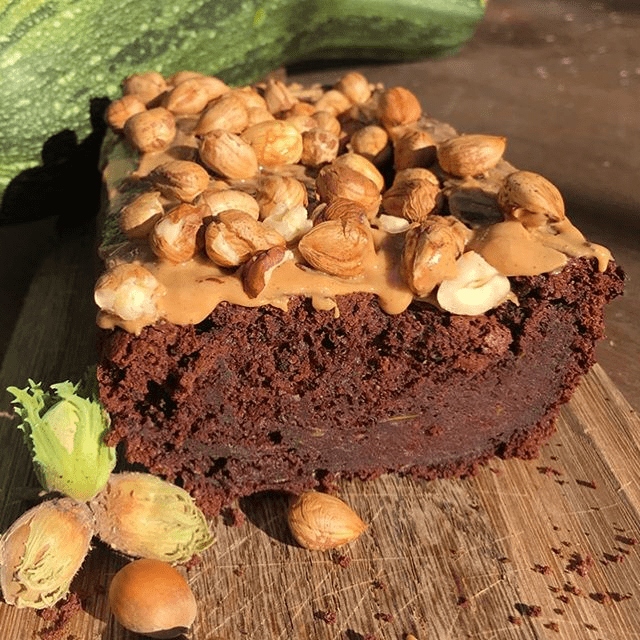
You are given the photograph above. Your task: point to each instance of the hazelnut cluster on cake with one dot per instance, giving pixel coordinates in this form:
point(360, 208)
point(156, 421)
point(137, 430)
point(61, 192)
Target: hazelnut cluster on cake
point(303, 283)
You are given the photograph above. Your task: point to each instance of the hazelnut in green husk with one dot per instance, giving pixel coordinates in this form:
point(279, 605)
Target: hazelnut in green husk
point(65, 434)
point(42, 551)
point(144, 516)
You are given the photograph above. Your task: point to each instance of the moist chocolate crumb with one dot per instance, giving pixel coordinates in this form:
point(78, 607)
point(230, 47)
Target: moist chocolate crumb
point(553, 626)
point(341, 560)
point(563, 598)
point(59, 617)
point(462, 601)
point(370, 636)
point(530, 610)
point(329, 617)
point(232, 517)
point(573, 590)
point(618, 597)
point(517, 620)
point(379, 584)
point(385, 617)
point(614, 557)
point(580, 564)
point(544, 569)
point(602, 598)
point(626, 540)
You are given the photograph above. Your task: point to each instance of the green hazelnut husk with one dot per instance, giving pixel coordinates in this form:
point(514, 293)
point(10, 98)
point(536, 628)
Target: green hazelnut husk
point(64, 429)
point(42, 551)
point(144, 516)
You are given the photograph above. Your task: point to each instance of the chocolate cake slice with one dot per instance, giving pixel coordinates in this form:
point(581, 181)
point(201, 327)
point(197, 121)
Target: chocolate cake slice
point(345, 287)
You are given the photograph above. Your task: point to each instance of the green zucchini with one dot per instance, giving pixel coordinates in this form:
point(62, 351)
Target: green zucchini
point(56, 55)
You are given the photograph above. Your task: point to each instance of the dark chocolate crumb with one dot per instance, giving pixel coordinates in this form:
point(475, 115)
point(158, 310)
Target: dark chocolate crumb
point(553, 626)
point(558, 611)
point(341, 560)
point(462, 601)
point(504, 559)
point(232, 517)
point(544, 569)
point(618, 597)
point(602, 598)
point(579, 564)
point(591, 627)
point(329, 617)
point(379, 584)
point(515, 620)
point(626, 540)
point(590, 484)
point(530, 610)
point(385, 617)
point(239, 571)
point(563, 598)
point(59, 617)
point(572, 589)
point(611, 557)
point(557, 551)
point(370, 636)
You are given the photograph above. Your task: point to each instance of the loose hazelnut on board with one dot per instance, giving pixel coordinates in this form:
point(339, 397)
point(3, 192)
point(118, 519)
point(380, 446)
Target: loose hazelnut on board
point(475, 289)
point(275, 142)
point(120, 110)
point(470, 154)
point(319, 521)
point(152, 598)
point(146, 86)
point(531, 199)
point(129, 292)
point(337, 247)
point(430, 253)
point(152, 130)
point(398, 106)
point(175, 236)
point(229, 155)
point(138, 216)
point(180, 179)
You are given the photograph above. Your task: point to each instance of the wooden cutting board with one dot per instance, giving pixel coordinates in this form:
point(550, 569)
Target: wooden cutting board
point(547, 548)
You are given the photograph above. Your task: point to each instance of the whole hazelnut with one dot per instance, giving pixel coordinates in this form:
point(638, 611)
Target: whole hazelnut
point(152, 598)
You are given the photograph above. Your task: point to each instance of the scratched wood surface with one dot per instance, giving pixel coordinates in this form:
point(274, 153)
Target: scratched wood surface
point(537, 549)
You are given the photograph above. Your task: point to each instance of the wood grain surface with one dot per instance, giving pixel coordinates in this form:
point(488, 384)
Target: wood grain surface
point(537, 549)
point(525, 550)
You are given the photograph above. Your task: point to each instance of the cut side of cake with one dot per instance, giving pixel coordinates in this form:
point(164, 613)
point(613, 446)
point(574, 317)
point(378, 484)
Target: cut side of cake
point(340, 287)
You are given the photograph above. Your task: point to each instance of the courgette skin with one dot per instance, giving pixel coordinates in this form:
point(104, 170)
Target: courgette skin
point(55, 55)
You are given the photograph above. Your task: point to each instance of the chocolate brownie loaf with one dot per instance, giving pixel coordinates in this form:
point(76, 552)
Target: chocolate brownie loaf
point(341, 286)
